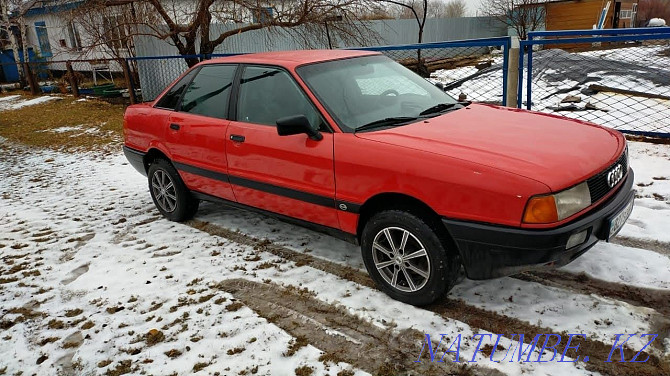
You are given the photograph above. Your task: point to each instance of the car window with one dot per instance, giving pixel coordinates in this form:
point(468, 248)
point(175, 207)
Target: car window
point(268, 94)
point(368, 89)
point(171, 98)
point(386, 81)
point(209, 91)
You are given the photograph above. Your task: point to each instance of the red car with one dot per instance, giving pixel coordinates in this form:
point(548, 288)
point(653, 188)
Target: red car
point(353, 144)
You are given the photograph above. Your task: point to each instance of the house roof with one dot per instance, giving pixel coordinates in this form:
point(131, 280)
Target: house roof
point(36, 7)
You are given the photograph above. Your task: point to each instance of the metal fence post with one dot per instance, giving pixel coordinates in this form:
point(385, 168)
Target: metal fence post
point(129, 80)
point(512, 87)
point(74, 85)
point(522, 52)
point(32, 81)
point(529, 75)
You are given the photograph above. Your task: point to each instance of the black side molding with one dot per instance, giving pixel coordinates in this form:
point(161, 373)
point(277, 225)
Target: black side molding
point(295, 194)
point(336, 233)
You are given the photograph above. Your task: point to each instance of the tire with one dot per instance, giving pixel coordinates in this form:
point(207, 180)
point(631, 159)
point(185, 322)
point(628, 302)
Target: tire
point(170, 195)
point(432, 273)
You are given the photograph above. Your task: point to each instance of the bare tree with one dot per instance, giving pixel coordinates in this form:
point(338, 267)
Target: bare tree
point(110, 26)
point(199, 26)
point(7, 27)
point(450, 9)
point(522, 15)
point(417, 9)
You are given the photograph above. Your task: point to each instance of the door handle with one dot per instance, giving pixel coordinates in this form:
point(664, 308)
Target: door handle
point(237, 138)
point(174, 126)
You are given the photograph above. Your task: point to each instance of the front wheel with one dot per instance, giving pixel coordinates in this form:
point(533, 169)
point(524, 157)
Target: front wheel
point(406, 258)
point(169, 193)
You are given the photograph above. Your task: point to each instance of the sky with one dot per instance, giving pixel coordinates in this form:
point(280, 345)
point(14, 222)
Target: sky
point(473, 6)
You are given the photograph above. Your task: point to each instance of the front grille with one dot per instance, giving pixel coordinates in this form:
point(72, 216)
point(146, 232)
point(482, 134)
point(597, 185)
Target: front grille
point(598, 184)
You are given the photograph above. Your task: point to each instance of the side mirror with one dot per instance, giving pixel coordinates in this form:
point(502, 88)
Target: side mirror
point(297, 124)
point(439, 85)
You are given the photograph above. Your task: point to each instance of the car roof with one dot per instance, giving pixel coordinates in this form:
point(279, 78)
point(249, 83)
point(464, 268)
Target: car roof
point(291, 59)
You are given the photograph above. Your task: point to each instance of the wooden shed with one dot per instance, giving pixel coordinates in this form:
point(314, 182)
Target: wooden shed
point(583, 14)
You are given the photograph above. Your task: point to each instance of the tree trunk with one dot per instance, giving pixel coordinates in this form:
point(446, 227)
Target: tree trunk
point(4, 8)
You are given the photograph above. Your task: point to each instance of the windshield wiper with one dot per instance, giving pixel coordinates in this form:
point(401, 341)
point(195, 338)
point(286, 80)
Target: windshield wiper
point(389, 121)
point(438, 108)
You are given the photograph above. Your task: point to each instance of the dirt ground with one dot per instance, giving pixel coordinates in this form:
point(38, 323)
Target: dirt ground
point(94, 281)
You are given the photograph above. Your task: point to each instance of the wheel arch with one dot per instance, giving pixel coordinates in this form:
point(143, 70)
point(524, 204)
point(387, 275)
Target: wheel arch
point(401, 201)
point(153, 154)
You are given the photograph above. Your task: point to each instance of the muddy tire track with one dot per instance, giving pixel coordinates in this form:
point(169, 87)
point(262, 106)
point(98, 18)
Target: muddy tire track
point(650, 245)
point(582, 283)
point(456, 309)
point(340, 335)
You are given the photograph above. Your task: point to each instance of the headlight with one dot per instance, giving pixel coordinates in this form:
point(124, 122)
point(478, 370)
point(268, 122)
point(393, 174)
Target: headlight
point(557, 207)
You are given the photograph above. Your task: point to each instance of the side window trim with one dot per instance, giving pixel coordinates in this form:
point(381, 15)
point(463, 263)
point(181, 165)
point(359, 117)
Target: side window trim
point(181, 97)
point(235, 92)
point(195, 73)
point(238, 81)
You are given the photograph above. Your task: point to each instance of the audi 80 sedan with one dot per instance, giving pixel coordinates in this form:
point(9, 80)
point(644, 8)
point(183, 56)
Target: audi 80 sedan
point(355, 145)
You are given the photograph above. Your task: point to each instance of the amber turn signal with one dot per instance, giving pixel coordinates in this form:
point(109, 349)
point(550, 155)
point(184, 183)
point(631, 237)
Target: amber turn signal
point(541, 209)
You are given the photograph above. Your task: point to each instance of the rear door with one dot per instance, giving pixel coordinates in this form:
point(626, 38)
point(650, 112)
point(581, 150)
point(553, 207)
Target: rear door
point(196, 131)
point(289, 175)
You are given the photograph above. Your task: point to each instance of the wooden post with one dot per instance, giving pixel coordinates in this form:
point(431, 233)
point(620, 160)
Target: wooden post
point(129, 81)
point(513, 73)
point(74, 85)
point(32, 81)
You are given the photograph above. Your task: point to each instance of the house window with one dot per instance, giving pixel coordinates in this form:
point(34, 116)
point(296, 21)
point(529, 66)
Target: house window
point(75, 38)
point(116, 32)
point(43, 39)
point(625, 14)
point(263, 15)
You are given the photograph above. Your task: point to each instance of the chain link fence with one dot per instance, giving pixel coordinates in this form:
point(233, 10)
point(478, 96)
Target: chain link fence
point(473, 70)
point(152, 74)
point(105, 78)
point(619, 78)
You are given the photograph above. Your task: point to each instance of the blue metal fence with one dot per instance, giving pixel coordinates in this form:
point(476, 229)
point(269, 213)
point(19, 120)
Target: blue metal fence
point(476, 68)
point(618, 78)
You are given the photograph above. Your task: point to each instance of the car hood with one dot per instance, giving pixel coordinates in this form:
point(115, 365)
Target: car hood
point(556, 151)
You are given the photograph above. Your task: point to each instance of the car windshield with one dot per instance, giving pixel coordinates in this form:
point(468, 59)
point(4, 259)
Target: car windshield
point(371, 91)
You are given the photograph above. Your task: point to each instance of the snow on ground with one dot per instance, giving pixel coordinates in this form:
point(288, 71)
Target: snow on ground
point(14, 102)
point(650, 219)
point(85, 234)
point(79, 130)
point(623, 266)
point(94, 281)
point(95, 255)
point(638, 68)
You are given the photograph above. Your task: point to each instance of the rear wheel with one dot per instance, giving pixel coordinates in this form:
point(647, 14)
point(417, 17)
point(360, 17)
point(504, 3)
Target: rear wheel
point(407, 258)
point(169, 193)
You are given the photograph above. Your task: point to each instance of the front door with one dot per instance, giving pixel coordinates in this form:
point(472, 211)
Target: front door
point(196, 132)
point(289, 175)
point(617, 15)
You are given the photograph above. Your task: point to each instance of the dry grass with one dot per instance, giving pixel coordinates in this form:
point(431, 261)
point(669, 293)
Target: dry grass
point(30, 125)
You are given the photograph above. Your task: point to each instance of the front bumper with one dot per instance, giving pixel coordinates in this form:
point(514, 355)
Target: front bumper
point(489, 251)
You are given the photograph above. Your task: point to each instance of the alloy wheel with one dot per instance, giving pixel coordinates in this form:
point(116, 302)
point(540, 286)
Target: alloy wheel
point(401, 259)
point(164, 191)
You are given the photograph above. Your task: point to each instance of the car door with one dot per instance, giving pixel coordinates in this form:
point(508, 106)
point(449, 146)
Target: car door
point(289, 175)
point(196, 131)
